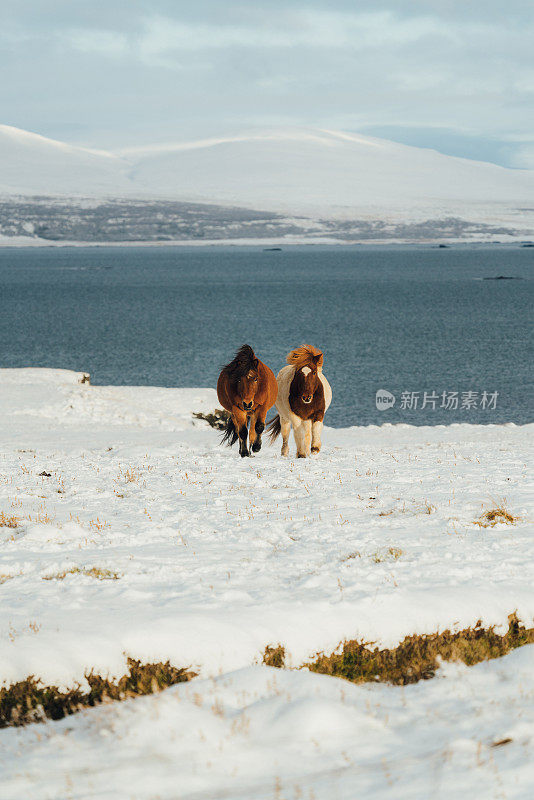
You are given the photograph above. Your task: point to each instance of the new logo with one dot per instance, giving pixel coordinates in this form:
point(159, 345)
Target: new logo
point(384, 400)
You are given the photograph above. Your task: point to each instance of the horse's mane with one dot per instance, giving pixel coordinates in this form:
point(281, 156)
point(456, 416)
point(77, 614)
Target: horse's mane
point(305, 356)
point(243, 361)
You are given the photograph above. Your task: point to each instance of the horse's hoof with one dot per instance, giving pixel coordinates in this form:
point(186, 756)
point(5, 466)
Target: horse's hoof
point(315, 450)
point(256, 447)
point(244, 453)
point(301, 455)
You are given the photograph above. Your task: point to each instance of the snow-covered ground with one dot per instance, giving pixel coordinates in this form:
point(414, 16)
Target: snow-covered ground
point(216, 557)
point(266, 734)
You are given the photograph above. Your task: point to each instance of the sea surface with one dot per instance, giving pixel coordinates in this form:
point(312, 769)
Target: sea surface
point(404, 319)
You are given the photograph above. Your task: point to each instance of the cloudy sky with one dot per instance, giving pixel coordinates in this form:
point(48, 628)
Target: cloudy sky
point(457, 76)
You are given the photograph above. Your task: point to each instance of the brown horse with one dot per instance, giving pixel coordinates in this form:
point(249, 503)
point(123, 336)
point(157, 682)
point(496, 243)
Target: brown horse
point(247, 389)
point(304, 395)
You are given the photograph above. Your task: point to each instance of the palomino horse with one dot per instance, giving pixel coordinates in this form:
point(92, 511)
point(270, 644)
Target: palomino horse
point(247, 389)
point(304, 395)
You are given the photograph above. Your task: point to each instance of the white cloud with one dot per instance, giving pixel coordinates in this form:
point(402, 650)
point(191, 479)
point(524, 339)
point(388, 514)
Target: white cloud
point(99, 42)
point(214, 67)
point(302, 29)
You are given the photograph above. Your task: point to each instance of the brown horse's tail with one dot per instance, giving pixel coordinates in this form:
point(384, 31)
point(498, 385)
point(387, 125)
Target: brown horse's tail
point(273, 428)
point(229, 436)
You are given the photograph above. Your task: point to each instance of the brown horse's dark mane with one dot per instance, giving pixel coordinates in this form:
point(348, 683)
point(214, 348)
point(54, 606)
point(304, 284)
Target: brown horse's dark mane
point(243, 361)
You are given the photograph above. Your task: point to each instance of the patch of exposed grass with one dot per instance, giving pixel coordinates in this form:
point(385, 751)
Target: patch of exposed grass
point(98, 525)
point(387, 554)
point(129, 475)
point(42, 518)
point(496, 516)
point(350, 556)
point(274, 656)
point(92, 572)
point(417, 657)
point(8, 520)
point(30, 701)
point(425, 507)
point(217, 419)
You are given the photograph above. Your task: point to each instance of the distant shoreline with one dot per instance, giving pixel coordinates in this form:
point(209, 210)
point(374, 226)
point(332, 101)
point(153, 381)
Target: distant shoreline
point(21, 242)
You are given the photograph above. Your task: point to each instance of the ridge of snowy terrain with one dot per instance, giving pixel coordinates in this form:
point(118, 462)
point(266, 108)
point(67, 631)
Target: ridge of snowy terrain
point(31, 164)
point(325, 173)
point(271, 734)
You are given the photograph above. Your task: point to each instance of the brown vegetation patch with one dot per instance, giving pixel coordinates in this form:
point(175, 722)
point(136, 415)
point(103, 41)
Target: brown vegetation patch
point(274, 656)
point(30, 701)
point(417, 657)
point(92, 572)
point(496, 516)
point(8, 521)
point(387, 554)
point(217, 420)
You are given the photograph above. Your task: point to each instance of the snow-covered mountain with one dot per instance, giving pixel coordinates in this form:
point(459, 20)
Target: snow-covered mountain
point(31, 164)
point(310, 172)
point(327, 172)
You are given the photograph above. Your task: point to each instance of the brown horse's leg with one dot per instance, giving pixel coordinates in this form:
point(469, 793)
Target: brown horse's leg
point(257, 426)
point(240, 421)
point(252, 432)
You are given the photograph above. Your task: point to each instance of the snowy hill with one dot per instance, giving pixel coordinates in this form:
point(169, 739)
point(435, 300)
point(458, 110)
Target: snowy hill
point(326, 172)
point(31, 164)
point(309, 172)
point(205, 558)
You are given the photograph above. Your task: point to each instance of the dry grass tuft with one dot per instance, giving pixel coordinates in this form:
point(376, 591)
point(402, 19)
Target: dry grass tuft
point(350, 556)
point(92, 572)
point(217, 420)
point(98, 525)
point(496, 516)
point(427, 508)
point(417, 657)
point(130, 475)
point(387, 554)
point(42, 517)
point(275, 656)
point(8, 521)
point(30, 701)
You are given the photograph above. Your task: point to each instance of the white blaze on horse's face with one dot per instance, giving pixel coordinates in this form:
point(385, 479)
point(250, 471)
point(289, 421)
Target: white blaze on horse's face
point(310, 384)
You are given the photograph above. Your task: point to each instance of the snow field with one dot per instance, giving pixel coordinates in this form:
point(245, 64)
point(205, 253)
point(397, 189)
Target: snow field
point(219, 556)
point(147, 539)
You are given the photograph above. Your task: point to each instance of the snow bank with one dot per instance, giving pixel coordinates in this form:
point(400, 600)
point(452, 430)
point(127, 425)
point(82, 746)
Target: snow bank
point(262, 733)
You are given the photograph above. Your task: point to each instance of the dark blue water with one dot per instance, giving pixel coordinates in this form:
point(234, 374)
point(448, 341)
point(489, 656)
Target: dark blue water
point(404, 319)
